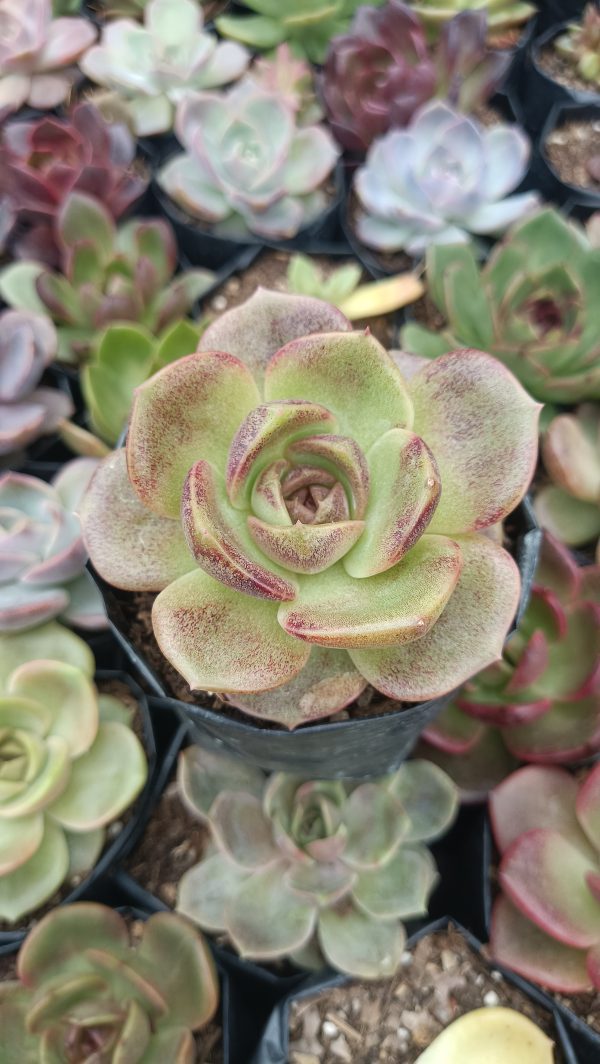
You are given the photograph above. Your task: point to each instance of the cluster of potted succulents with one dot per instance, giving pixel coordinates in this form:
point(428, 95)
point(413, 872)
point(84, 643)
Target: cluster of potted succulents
point(299, 522)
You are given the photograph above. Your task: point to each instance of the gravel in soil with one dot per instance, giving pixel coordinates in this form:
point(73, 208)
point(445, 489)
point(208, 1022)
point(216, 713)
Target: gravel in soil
point(557, 66)
point(441, 979)
point(571, 148)
point(118, 690)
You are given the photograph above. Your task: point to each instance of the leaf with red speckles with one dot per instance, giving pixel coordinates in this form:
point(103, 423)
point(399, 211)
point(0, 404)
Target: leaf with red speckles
point(189, 410)
point(342, 455)
point(221, 640)
point(481, 426)
point(306, 548)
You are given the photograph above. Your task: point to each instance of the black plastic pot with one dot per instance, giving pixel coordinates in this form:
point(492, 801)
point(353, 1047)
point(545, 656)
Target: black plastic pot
point(585, 1040)
point(204, 248)
point(553, 11)
point(138, 813)
point(353, 748)
point(583, 201)
point(274, 1044)
point(539, 92)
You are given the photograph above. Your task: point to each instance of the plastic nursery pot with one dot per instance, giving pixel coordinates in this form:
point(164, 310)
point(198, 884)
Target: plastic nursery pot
point(203, 248)
point(585, 1039)
point(135, 816)
point(547, 178)
point(540, 91)
point(354, 749)
point(553, 11)
point(274, 1045)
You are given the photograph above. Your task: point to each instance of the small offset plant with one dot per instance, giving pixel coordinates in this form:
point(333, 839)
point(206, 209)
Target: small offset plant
point(342, 288)
point(581, 45)
point(313, 518)
point(90, 988)
point(247, 168)
point(42, 555)
point(37, 54)
point(570, 506)
point(45, 160)
point(154, 66)
point(506, 18)
point(292, 80)
point(382, 71)
point(108, 274)
point(123, 358)
point(313, 869)
point(546, 922)
point(507, 1035)
point(541, 701)
point(442, 178)
point(70, 764)
point(533, 305)
point(28, 345)
point(308, 25)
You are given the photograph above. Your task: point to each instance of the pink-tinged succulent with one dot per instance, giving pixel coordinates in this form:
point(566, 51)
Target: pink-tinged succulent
point(247, 167)
point(107, 274)
point(292, 79)
point(28, 344)
point(313, 869)
point(42, 555)
point(44, 160)
point(541, 702)
point(314, 519)
point(570, 506)
point(546, 923)
point(36, 52)
point(383, 70)
point(88, 990)
point(70, 764)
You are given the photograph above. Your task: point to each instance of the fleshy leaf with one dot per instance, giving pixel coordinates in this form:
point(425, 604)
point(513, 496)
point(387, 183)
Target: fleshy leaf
point(192, 1000)
point(521, 946)
point(202, 774)
point(505, 1033)
point(206, 890)
point(536, 797)
point(34, 882)
point(290, 923)
point(588, 806)
point(309, 548)
point(427, 796)
point(358, 945)
point(400, 889)
point(242, 831)
point(376, 824)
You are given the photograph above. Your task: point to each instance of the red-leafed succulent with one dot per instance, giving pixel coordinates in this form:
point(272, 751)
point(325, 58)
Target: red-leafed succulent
point(313, 519)
point(570, 505)
point(546, 923)
point(42, 161)
point(541, 702)
point(383, 70)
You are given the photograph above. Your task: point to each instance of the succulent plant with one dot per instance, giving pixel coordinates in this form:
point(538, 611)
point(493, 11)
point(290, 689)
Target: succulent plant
point(546, 922)
point(27, 346)
point(42, 556)
point(570, 506)
point(505, 17)
point(36, 53)
point(292, 80)
point(287, 495)
point(66, 7)
point(247, 168)
point(438, 180)
point(533, 305)
point(313, 868)
point(90, 988)
point(108, 275)
point(156, 65)
point(46, 159)
point(70, 764)
point(581, 45)
point(505, 1033)
point(541, 701)
point(382, 71)
point(123, 357)
point(342, 288)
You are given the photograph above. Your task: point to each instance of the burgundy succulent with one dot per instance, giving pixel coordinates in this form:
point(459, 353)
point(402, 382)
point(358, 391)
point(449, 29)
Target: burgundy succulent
point(42, 161)
point(383, 70)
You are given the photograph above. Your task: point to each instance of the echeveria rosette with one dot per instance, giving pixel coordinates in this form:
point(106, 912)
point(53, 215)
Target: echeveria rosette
point(91, 988)
point(439, 180)
point(505, 17)
point(46, 159)
point(42, 554)
point(108, 274)
point(154, 66)
point(541, 702)
point(546, 922)
point(533, 305)
point(70, 764)
point(313, 869)
point(38, 53)
point(247, 168)
point(382, 71)
point(570, 506)
point(313, 519)
point(28, 345)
